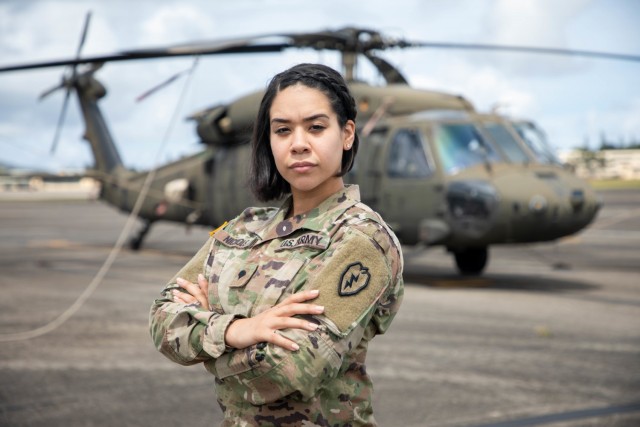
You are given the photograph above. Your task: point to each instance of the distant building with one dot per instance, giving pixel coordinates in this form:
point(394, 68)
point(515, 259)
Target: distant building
point(604, 164)
point(26, 185)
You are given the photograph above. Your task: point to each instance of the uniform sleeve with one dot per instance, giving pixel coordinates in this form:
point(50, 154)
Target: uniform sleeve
point(188, 334)
point(360, 287)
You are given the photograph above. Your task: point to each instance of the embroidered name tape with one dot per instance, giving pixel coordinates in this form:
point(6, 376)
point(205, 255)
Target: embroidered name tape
point(310, 240)
point(234, 242)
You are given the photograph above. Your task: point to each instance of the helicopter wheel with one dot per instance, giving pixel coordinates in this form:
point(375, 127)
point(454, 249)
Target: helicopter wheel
point(471, 261)
point(136, 242)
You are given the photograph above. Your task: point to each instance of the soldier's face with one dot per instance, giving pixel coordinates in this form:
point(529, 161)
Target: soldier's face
point(307, 142)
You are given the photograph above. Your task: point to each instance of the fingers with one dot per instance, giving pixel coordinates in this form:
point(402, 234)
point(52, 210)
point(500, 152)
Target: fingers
point(197, 291)
point(245, 332)
point(274, 337)
point(204, 284)
point(283, 342)
point(266, 328)
point(280, 320)
point(294, 309)
point(182, 297)
point(279, 323)
point(301, 297)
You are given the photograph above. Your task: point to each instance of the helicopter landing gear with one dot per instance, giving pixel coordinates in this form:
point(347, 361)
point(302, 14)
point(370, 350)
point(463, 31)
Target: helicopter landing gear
point(136, 242)
point(471, 261)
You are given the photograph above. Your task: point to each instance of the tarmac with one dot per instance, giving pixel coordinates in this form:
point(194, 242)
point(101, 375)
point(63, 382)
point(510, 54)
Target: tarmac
point(549, 335)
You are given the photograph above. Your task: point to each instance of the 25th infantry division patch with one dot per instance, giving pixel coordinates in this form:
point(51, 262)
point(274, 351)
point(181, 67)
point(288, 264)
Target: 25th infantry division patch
point(354, 279)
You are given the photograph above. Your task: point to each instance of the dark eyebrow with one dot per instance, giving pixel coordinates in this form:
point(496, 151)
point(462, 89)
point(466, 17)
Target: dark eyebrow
point(306, 119)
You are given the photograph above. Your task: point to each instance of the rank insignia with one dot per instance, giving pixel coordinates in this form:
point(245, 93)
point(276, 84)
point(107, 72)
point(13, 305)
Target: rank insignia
point(354, 279)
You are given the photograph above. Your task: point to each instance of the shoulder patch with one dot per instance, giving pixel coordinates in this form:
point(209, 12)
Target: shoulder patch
point(354, 279)
point(351, 281)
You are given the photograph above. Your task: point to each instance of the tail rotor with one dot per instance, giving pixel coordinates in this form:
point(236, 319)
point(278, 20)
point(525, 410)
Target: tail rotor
point(67, 82)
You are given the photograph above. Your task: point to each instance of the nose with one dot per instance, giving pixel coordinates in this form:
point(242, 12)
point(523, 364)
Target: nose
point(299, 143)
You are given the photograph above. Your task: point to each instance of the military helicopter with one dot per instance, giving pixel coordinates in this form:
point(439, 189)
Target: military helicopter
point(438, 171)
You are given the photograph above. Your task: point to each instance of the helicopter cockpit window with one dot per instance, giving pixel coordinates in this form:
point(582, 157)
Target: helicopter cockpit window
point(507, 143)
point(536, 141)
point(407, 158)
point(461, 146)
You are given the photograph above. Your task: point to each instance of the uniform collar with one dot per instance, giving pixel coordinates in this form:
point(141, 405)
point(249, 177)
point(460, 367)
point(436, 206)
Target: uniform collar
point(319, 219)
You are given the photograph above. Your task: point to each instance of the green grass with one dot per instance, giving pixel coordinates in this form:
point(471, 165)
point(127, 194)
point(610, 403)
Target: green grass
point(614, 184)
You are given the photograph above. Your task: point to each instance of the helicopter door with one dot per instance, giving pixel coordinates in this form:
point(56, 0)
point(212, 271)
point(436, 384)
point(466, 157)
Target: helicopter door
point(409, 192)
point(228, 191)
point(368, 169)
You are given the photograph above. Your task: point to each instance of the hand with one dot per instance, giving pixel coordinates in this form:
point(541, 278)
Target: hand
point(261, 328)
point(196, 293)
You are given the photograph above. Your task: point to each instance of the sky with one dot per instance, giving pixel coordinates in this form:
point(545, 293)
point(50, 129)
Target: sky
point(575, 100)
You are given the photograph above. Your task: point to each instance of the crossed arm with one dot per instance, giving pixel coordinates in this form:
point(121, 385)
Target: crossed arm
point(246, 332)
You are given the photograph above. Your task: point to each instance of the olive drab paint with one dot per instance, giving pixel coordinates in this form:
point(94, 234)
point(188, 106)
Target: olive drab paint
point(437, 170)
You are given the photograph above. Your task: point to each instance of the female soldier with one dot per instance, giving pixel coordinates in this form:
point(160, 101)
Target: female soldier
point(280, 304)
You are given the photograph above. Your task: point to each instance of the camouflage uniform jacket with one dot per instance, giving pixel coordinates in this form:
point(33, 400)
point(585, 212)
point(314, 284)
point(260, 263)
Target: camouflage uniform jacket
point(342, 248)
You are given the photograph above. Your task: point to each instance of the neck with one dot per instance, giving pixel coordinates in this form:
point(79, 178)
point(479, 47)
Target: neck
point(305, 201)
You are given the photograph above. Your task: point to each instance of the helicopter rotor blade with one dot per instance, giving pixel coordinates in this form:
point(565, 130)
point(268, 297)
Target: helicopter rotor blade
point(388, 71)
point(527, 49)
point(166, 83)
point(159, 86)
point(83, 38)
point(61, 118)
point(152, 54)
point(69, 85)
point(349, 40)
point(48, 92)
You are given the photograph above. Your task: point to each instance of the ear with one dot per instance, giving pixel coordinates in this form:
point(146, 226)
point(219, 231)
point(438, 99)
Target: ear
point(348, 134)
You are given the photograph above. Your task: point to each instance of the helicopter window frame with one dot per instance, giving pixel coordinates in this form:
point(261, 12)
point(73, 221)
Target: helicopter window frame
point(410, 164)
point(449, 155)
point(538, 144)
point(513, 151)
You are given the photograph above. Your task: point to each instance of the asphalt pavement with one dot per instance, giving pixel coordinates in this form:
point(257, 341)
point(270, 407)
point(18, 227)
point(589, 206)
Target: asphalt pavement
point(549, 335)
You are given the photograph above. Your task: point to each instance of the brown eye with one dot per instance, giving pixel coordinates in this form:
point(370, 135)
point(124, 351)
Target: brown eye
point(280, 131)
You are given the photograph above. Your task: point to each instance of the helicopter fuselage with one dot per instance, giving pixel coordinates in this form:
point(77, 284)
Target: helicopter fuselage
point(437, 171)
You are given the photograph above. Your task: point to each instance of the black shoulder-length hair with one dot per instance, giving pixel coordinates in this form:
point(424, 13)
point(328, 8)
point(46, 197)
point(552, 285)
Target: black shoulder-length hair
point(265, 181)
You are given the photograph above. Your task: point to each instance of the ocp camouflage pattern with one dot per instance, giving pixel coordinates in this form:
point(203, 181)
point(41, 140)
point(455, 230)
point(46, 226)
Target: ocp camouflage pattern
point(342, 248)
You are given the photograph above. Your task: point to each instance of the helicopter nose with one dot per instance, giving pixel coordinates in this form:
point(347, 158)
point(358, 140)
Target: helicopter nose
point(517, 207)
point(548, 208)
point(472, 206)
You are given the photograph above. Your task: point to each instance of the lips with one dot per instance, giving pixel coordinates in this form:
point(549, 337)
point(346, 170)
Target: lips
point(302, 166)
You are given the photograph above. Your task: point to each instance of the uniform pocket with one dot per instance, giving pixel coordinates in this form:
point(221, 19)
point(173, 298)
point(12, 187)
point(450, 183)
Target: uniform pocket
point(242, 276)
point(236, 272)
point(271, 280)
point(231, 284)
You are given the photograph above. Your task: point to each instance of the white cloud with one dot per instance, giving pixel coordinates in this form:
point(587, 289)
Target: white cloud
point(558, 93)
point(174, 19)
point(485, 86)
point(541, 23)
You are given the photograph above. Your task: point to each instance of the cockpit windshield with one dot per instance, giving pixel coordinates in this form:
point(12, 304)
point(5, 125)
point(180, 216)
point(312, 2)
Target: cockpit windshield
point(537, 142)
point(507, 143)
point(461, 146)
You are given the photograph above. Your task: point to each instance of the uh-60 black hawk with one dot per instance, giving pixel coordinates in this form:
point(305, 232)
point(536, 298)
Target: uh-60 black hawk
point(439, 172)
